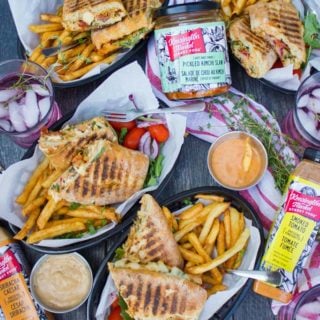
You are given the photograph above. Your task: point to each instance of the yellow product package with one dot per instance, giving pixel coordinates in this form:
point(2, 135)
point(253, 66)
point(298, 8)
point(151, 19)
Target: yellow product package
point(294, 229)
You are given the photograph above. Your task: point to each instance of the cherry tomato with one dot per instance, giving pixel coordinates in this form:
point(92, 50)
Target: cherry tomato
point(159, 132)
point(119, 125)
point(298, 72)
point(115, 314)
point(115, 303)
point(132, 138)
point(277, 64)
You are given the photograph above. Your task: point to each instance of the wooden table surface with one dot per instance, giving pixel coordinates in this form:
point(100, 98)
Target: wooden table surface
point(190, 170)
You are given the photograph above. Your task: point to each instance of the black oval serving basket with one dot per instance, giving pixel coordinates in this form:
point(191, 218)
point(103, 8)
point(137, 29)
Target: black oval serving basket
point(125, 222)
point(175, 203)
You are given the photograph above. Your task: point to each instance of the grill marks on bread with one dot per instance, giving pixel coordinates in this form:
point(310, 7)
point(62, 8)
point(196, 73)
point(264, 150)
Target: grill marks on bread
point(151, 294)
point(74, 5)
point(109, 174)
point(150, 238)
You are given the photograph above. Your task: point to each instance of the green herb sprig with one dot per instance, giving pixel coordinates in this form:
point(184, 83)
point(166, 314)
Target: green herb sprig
point(270, 136)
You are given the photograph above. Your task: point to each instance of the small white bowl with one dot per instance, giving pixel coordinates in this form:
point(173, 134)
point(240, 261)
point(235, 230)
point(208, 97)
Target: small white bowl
point(38, 299)
point(236, 134)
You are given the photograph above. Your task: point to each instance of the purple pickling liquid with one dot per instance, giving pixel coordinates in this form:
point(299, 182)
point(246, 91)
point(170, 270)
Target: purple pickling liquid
point(26, 138)
point(298, 125)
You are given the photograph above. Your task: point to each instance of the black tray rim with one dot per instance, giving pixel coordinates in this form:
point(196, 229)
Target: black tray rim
point(225, 312)
point(126, 221)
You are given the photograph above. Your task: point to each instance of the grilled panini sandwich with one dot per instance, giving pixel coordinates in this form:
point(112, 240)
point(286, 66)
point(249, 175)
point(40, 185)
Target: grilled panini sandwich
point(151, 238)
point(278, 22)
point(130, 30)
point(156, 292)
point(254, 53)
point(61, 146)
point(83, 15)
point(104, 173)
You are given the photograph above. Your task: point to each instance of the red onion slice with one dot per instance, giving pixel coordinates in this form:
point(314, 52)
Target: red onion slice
point(5, 125)
point(310, 310)
point(15, 117)
point(4, 112)
point(7, 94)
point(145, 124)
point(143, 140)
point(316, 93)
point(44, 106)
point(303, 101)
point(154, 149)
point(40, 90)
point(314, 105)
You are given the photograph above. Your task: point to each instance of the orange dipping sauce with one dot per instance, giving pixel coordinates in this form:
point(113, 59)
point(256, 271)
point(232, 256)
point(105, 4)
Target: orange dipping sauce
point(237, 160)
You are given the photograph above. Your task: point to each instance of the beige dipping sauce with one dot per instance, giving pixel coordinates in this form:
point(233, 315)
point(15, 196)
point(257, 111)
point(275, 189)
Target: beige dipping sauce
point(62, 281)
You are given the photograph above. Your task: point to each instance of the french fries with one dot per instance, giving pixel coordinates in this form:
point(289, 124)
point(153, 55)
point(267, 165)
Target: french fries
point(73, 63)
point(239, 245)
point(47, 218)
point(236, 7)
point(212, 236)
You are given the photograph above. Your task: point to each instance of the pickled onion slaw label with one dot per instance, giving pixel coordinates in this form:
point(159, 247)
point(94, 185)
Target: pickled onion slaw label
point(294, 231)
point(193, 57)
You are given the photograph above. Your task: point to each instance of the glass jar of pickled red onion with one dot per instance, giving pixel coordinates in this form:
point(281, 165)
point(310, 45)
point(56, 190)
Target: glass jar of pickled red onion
point(303, 122)
point(26, 101)
point(304, 306)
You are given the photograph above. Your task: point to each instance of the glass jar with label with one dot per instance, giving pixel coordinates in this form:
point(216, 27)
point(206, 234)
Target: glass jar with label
point(192, 51)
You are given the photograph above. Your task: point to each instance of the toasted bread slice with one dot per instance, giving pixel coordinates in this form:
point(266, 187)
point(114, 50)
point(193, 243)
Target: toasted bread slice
point(150, 238)
point(157, 295)
point(83, 15)
point(139, 18)
point(278, 22)
point(254, 53)
point(61, 146)
point(104, 173)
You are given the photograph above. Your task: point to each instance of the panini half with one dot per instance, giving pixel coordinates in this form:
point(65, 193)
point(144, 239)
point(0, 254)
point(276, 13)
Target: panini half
point(278, 22)
point(253, 52)
point(156, 292)
point(130, 30)
point(83, 15)
point(151, 238)
point(61, 146)
point(104, 173)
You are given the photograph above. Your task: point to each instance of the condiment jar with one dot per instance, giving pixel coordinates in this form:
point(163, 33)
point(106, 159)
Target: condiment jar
point(302, 123)
point(192, 50)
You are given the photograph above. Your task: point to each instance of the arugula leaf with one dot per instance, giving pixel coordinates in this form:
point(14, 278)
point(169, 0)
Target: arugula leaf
point(187, 201)
point(312, 31)
point(91, 228)
point(119, 254)
point(122, 135)
point(124, 308)
point(74, 205)
point(154, 172)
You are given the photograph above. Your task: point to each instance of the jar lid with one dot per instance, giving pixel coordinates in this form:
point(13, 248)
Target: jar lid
point(190, 7)
point(312, 154)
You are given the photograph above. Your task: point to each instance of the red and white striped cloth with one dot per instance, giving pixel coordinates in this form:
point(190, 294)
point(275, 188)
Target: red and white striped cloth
point(210, 124)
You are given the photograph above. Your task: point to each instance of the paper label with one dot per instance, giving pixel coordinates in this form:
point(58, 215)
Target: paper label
point(193, 57)
point(294, 231)
point(16, 301)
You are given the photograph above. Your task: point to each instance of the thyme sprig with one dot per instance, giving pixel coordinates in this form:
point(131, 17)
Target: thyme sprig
point(280, 163)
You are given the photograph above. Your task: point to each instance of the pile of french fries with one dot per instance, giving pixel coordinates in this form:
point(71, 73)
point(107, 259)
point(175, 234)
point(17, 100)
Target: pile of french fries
point(231, 8)
point(212, 238)
point(73, 63)
point(47, 218)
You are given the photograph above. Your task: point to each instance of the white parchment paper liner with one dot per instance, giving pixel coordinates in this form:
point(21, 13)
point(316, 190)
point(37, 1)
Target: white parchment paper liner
point(214, 302)
point(113, 93)
point(26, 12)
